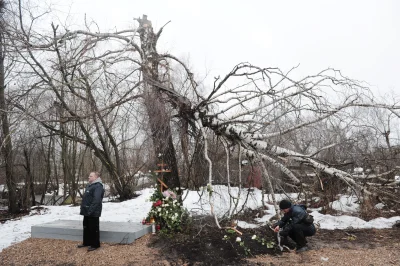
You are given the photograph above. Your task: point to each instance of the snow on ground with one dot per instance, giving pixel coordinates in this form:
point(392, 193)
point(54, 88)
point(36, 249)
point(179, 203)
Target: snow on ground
point(136, 209)
point(346, 203)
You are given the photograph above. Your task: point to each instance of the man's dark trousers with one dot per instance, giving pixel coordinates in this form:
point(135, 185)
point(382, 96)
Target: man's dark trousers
point(91, 231)
point(298, 233)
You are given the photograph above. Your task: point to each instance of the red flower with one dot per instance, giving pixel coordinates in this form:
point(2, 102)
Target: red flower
point(157, 203)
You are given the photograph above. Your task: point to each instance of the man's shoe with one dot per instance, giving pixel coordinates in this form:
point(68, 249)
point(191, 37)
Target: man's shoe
point(91, 248)
point(302, 249)
point(81, 246)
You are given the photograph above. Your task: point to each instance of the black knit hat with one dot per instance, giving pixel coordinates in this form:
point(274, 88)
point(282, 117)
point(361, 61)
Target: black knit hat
point(284, 204)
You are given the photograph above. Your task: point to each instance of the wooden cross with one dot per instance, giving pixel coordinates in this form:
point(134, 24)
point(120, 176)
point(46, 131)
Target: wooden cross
point(162, 171)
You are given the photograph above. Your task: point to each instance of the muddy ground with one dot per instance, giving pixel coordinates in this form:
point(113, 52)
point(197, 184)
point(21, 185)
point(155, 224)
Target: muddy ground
point(209, 246)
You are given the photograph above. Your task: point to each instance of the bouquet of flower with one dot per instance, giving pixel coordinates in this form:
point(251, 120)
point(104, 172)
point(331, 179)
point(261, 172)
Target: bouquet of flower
point(167, 210)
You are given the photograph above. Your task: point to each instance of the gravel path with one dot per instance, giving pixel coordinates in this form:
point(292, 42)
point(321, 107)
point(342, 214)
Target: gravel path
point(329, 248)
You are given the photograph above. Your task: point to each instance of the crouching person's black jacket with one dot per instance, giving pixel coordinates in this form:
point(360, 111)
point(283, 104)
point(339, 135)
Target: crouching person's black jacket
point(296, 215)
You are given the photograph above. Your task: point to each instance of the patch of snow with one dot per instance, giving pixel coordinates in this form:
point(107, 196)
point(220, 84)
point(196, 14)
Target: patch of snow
point(358, 170)
point(346, 204)
point(246, 225)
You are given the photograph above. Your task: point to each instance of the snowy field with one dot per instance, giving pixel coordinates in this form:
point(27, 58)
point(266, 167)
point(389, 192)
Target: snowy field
point(135, 210)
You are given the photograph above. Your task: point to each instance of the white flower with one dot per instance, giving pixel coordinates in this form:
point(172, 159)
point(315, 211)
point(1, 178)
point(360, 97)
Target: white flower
point(238, 239)
point(254, 237)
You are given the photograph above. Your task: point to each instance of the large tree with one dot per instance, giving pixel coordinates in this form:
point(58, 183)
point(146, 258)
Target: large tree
point(88, 94)
point(264, 112)
point(6, 141)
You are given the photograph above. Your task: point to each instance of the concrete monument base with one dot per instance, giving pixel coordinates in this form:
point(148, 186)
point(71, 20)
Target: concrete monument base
point(110, 232)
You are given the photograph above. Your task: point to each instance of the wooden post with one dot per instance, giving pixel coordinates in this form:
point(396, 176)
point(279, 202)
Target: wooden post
point(162, 171)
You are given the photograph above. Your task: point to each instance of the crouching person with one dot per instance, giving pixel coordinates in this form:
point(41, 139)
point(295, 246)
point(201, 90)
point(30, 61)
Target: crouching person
point(296, 223)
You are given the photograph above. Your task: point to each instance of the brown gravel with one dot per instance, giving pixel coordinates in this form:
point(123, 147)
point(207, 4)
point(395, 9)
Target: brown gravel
point(330, 256)
point(371, 247)
point(51, 252)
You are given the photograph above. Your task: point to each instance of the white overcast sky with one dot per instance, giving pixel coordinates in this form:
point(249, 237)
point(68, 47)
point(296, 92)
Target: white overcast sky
point(359, 37)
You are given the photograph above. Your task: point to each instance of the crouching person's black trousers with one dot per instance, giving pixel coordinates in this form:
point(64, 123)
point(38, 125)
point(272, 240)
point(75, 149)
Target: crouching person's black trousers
point(298, 233)
point(91, 231)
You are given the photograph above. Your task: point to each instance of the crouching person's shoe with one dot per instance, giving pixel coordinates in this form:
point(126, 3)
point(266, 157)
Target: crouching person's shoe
point(92, 248)
point(302, 249)
point(283, 240)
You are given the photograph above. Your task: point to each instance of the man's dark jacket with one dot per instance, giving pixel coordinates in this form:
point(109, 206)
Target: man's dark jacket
point(296, 215)
point(92, 199)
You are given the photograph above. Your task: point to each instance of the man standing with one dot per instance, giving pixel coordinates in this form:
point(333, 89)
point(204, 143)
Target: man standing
point(91, 210)
point(295, 223)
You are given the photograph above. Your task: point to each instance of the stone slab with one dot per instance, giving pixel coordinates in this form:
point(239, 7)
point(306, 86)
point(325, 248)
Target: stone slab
point(110, 232)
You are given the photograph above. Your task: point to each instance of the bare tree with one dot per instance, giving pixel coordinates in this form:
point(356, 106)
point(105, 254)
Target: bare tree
point(264, 111)
point(81, 80)
point(159, 118)
point(6, 145)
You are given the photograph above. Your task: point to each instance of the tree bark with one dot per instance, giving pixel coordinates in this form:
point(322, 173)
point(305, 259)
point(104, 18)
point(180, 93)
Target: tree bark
point(159, 118)
point(29, 179)
point(6, 145)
